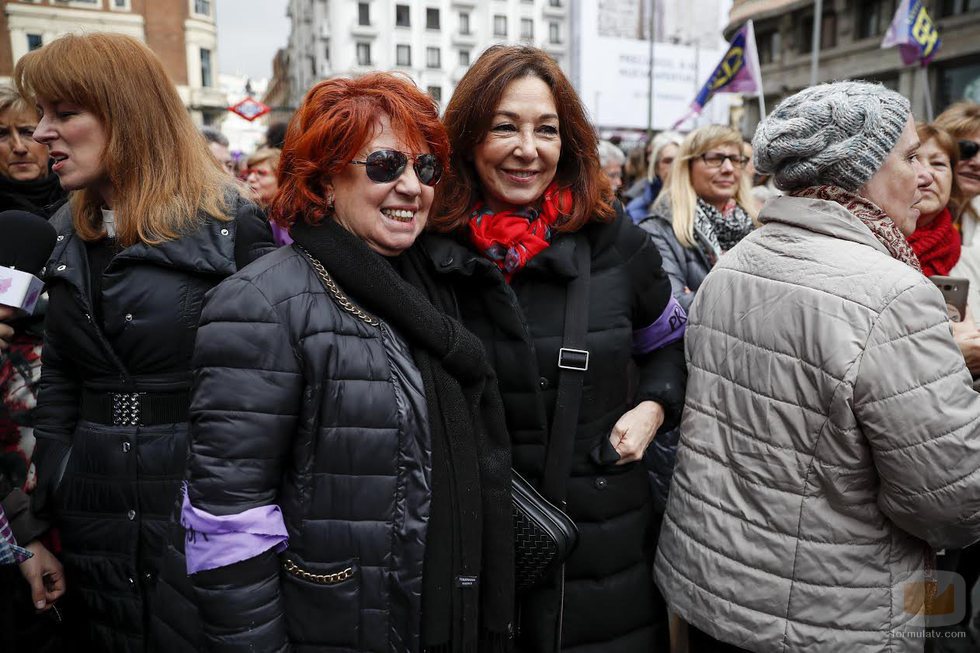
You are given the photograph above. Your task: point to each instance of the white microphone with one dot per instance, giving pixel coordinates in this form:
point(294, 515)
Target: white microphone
point(26, 242)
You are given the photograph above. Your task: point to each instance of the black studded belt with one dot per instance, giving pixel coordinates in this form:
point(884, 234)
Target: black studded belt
point(135, 408)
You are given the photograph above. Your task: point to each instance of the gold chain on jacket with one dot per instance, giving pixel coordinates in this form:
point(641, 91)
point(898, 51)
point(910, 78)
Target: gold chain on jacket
point(342, 300)
point(320, 579)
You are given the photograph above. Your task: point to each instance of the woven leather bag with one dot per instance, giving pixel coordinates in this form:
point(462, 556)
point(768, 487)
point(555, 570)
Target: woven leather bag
point(544, 536)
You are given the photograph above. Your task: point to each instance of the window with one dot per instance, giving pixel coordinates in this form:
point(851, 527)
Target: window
point(554, 32)
point(363, 54)
point(769, 46)
point(955, 7)
point(403, 55)
point(431, 18)
point(828, 33)
point(464, 57)
point(120, 5)
point(363, 13)
point(435, 92)
point(527, 28)
point(500, 25)
point(554, 3)
point(402, 16)
point(206, 79)
point(874, 18)
point(326, 53)
point(433, 58)
point(464, 23)
point(202, 7)
point(34, 41)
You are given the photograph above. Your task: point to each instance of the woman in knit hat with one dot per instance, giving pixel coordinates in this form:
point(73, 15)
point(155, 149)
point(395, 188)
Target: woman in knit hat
point(831, 438)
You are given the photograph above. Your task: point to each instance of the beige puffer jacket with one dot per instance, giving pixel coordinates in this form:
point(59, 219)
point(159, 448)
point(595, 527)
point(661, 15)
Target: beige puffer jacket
point(829, 437)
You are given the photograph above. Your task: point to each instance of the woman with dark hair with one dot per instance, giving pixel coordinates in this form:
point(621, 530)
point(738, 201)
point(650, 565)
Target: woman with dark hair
point(349, 474)
point(525, 216)
point(152, 224)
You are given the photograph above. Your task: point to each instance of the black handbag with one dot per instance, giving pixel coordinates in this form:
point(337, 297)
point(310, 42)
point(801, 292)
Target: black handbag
point(544, 536)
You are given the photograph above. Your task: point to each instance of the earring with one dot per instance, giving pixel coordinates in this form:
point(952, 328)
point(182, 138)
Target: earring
point(330, 203)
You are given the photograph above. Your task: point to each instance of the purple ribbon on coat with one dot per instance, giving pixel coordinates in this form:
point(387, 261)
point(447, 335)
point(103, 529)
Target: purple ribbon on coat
point(214, 541)
point(668, 328)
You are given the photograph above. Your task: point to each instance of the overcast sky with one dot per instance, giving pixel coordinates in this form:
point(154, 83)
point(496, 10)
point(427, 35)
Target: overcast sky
point(249, 33)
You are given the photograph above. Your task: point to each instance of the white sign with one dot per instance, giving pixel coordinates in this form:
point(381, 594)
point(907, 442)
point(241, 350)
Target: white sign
point(614, 79)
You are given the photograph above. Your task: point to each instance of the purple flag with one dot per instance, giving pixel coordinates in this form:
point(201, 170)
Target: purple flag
point(737, 72)
point(913, 31)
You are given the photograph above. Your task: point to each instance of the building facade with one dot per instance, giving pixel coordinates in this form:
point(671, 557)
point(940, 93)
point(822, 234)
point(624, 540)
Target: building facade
point(433, 41)
point(850, 48)
point(181, 32)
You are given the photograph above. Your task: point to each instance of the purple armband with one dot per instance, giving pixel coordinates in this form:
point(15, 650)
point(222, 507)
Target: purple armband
point(220, 540)
point(668, 328)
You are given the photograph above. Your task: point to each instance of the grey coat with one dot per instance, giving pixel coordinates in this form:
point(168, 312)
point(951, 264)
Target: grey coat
point(686, 266)
point(830, 441)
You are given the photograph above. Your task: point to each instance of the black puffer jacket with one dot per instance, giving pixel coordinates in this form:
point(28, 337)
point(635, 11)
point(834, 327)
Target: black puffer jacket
point(305, 405)
point(611, 603)
point(111, 488)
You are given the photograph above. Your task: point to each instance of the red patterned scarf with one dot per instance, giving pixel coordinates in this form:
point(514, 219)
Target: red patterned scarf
point(512, 238)
point(937, 245)
point(876, 220)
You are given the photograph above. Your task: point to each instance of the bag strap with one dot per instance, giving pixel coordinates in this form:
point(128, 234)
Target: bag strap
point(573, 361)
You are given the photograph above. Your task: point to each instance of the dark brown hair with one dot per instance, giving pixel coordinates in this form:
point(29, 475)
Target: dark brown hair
point(467, 121)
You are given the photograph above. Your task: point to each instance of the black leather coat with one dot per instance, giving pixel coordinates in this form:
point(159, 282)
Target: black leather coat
point(111, 488)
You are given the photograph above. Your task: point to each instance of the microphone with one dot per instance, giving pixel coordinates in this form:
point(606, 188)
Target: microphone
point(26, 243)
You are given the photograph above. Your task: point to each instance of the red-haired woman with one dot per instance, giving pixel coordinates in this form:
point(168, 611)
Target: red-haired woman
point(526, 214)
point(349, 478)
point(152, 224)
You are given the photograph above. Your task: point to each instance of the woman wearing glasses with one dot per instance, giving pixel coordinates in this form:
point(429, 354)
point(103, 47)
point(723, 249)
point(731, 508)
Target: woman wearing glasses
point(962, 121)
point(349, 472)
point(705, 210)
point(529, 221)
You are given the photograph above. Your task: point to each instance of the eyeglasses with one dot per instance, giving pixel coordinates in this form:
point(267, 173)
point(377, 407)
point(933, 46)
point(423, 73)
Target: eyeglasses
point(258, 172)
point(385, 166)
point(716, 160)
point(968, 149)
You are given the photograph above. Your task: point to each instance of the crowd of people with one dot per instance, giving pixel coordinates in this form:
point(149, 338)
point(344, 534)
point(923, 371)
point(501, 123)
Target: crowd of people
point(282, 406)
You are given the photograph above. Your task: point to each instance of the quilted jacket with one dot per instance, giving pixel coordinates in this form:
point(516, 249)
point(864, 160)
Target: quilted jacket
point(830, 441)
point(304, 404)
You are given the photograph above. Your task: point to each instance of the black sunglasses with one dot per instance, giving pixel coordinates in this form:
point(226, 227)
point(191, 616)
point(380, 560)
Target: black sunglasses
point(385, 166)
point(968, 149)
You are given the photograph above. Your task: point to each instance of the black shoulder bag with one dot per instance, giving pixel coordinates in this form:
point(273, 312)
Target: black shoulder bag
point(544, 536)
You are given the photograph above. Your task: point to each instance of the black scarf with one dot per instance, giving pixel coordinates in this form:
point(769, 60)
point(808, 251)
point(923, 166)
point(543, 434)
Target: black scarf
point(468, 575)
point(42, 196)
point(722, 229)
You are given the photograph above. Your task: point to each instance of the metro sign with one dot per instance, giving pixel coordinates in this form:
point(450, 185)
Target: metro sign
point(250, 109)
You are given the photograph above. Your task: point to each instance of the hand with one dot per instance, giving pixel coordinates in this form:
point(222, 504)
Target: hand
point(634, 431)
point(6, 331)
point(44, 574)
point(969, 343)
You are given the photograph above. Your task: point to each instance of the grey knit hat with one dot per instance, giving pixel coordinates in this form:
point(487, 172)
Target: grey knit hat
point(837, 134)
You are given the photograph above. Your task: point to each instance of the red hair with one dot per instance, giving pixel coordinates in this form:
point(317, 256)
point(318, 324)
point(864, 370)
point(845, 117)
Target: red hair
point(336, 119)
point(467, 120)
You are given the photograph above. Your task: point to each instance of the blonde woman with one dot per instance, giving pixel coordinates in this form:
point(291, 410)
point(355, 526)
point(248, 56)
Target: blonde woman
point(151, 225)
point(705, 210)
point(663, 151)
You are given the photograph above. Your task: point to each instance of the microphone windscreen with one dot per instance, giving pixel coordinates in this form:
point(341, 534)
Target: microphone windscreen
point(26, 241)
